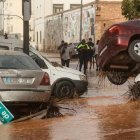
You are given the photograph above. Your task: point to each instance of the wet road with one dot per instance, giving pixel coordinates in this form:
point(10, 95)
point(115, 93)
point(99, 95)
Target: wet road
point(104, 113)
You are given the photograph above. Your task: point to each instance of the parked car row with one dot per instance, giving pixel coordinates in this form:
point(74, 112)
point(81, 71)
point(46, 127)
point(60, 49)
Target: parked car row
point(34, 78)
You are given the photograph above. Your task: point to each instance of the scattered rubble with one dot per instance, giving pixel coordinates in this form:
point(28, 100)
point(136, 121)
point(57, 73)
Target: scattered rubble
point(134, 91)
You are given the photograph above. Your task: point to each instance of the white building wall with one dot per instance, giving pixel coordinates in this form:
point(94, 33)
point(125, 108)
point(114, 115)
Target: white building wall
point(43, 8)
point(13, 24)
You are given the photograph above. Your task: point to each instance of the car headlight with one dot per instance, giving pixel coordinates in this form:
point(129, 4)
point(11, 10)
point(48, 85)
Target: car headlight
point(83, 77)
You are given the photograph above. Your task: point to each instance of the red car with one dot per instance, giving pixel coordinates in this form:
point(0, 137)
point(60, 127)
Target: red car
point(119, 51)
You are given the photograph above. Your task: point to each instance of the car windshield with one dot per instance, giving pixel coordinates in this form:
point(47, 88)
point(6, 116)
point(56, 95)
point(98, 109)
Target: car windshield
point(17, 62)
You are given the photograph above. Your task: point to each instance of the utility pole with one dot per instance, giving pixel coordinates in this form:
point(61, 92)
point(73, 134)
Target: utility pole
point(26, 12)
point(81, 14)
point(3, 16)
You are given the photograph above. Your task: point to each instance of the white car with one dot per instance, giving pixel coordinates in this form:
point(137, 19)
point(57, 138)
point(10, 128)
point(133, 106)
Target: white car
point(65, 82)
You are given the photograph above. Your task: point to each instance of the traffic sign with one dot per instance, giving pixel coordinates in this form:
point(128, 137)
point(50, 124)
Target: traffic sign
point(5, 114)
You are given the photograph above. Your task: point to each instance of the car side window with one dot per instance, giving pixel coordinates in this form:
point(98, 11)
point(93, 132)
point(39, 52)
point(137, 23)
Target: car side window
point(38, 60)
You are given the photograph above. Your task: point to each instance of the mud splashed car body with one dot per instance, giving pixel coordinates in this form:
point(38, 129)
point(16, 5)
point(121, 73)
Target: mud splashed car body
point(21, 79)
point(119, 51)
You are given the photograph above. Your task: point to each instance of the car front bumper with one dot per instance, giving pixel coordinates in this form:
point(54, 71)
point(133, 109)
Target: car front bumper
point(25, 96)
point(80, 86)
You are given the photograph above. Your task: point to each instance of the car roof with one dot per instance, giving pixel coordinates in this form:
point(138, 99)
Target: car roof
point(5, 52)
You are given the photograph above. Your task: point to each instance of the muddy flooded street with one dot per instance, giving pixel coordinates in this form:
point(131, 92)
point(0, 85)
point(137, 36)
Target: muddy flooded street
point(103, 113)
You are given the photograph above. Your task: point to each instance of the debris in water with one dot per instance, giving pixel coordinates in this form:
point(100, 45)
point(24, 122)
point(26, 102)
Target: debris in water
point(102, 76)
point(134, 91)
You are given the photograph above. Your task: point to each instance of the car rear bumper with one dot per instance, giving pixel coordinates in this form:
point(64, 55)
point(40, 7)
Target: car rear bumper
point(80, 86)
point(25, 96)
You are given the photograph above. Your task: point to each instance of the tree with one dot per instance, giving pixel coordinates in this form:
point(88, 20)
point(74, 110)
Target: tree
point(131, 9)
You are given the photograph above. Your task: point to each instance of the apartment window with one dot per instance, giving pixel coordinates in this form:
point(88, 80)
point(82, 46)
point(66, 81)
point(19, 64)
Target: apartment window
point(57, 8)
point(72, 6)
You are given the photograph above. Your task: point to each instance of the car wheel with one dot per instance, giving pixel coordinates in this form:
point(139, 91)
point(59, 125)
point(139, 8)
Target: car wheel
point(64, 89)
point(134, 50)
point(117, 78)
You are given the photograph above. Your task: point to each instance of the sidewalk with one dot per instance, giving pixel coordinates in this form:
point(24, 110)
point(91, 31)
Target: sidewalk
point(51, 55)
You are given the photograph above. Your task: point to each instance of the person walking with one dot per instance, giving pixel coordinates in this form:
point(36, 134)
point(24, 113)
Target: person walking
point(91, 52)
point(59, 48)
point(96, 54)
point(82, 49)
point(65, 55)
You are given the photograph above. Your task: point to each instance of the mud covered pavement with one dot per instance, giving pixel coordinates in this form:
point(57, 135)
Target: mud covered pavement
point(104, 113)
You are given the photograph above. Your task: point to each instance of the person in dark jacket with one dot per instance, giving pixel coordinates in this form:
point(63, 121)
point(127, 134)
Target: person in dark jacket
point(59, 48)
point(91, 52)
point(82, 49)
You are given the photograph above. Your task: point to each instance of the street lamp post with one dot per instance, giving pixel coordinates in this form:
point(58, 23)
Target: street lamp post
point(3, 16)
point(81, 20)
point(26, 11)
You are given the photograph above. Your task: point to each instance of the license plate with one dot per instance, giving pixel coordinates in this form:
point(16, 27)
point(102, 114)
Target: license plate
point(12, 80)
point(5, 114)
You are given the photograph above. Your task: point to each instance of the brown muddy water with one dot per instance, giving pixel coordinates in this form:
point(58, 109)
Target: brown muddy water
point(104, 113)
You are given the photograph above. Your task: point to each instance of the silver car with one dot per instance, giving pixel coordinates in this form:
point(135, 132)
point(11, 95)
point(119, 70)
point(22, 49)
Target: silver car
point(21, 79)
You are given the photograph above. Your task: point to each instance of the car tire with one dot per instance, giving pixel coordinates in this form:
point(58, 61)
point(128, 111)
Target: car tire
point(134, 50)
point(117, 78)
point(64, 89)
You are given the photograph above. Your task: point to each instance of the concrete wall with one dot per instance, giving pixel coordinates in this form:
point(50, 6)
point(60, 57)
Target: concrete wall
point(108, 13)
point(66, 26)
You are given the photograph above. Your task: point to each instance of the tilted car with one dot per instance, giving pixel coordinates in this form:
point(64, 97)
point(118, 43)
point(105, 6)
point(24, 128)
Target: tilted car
point(119, 51)
point(21, 79)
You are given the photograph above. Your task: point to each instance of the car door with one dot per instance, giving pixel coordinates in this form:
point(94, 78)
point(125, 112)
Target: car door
point(41, 63)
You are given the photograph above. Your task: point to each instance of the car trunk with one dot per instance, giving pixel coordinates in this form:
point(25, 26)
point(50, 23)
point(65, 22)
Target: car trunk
point(21, 79)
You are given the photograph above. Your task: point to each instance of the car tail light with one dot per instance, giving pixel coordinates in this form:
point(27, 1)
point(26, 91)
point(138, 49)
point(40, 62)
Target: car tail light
point(114, 30)
point(45, 80)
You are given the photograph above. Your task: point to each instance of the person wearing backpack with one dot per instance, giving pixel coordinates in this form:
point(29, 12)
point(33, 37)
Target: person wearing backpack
point(65, 55)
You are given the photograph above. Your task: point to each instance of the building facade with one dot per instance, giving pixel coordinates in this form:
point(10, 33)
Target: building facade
point(107, 13)
point(1, 18)
point(13, 23)
point(43, 8)
point(49, 31)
